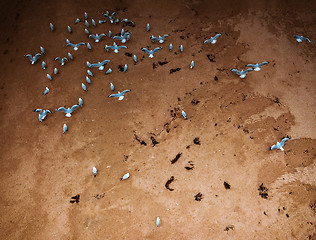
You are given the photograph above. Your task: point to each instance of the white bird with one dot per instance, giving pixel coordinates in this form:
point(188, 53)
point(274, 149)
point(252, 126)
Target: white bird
point(148, 27)
point(212, 39)
point(61, 60)
point(49, 76)
point(34, 58)
point(86, 15)
point(242, 73)
point(89, 46)
point(301, 38)
point(86, 31)
point(86, 23)
point(100, 65)
point(111, 17)
point(90, 73)
point(108, 71)
point(114, 47)
point(256, 67)
point(46, 91)
point(110, 33)
point(88, 80)
point(65, 128)
point(126, 176)
point(69, 29)
point(135, 58)
point(181, 48)
point(93, 22)
point(97, 37)
point(279, 145)
point(42, 50)
point(43, 65)
point(125, 67)
point(160, 39)
point(80, 102)
point(120, 95)
point(69, 110)
point(70, 56)
point(184, 114)
point(42, 113)
point(75, 46)
point(83, 86)
point(102, 21)
point(157, 221)
point(112, 86)
point(151, 52)
point(77, 21)
point(95, 171)
point(170, 47)
point(124, 37)
point(125, 20)
point(51, 26)
point(55, 71)
point(192, 64)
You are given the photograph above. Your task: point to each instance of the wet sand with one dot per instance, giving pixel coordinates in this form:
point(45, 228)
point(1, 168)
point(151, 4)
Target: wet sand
point(227, 184)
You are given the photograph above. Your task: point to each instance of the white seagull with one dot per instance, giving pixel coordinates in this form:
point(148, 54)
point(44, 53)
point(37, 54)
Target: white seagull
point(212, 39)
point(160, 39)
point(241, 73)
point(95, 171)
point(97, 37)
point(126, 176)
point(256, 67)
point(80, 102)
point(65, 128)
point(74, 45)
point(34, 58)
point(100, 65)
point(61, 60)
point(68, 111)
point(120, 95)
point(184, 114)
point(151, 52)
point(279, 145)
point(114, 47)
point(42, 113)
point(301, 39)
point(46, 91)
point(157, 221)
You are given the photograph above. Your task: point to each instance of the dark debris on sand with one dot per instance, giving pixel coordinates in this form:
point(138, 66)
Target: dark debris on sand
point(198, 197)
point(170, 180)
point(176, 158)
point(75, 199)
point(263, 191)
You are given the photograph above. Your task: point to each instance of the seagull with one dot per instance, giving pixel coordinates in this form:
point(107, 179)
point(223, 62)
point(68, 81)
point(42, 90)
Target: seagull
point(111, 17)
point(108, 71)
point(114, 47)
point(124, 37)
point(49, 76)
point(125, 67)
point(43, 65)
point(126, 176)
point(212, 39)
point(51, 26)
point(46, 91)
point(120, 95)
point(100, 65)
point(170, 47)
point(301, 38)
point(77, 21)
point(55, 71)
point(34, 58)
point(80, 102)
point(110, 33)
point(128, 21)
point(184, 114)
point(86, 15)
point(256, 67)
point(93, 22)
point(102, 21)
point(65, 128)
point(97, 37)
point(61, 60)
point(69, 29)
point(160, 39)
point(86, 23)
point(86, 31)
point(90, 73)
point(135, 58)
point(88, 80)
point(70, 56)
point(279, 145)
point(157, 221)
point(89, 46)
point(241, 73)
point(151, 52)
point(42, 113)
point(83, 86)
point(68, 111)
point(192, 64)
point(112, 86)
point(148, 27)
point(95, 171)
point(75, 46)
point(181, 48)
point(42, 50)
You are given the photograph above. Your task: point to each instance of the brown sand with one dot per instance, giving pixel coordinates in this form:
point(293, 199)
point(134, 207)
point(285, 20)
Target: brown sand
point(236, 121)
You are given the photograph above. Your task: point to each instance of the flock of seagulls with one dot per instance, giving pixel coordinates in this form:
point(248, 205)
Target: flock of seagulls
point(124, 37)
